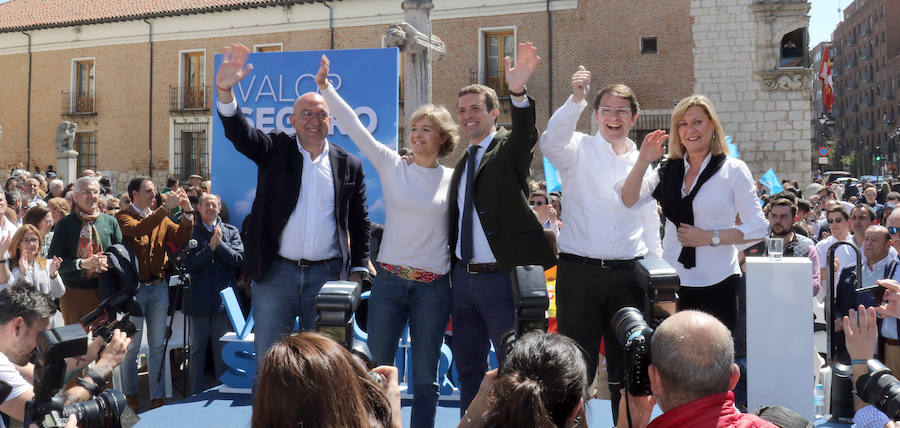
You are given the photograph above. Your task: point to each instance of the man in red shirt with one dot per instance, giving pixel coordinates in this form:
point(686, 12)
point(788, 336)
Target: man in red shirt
point(692, 375)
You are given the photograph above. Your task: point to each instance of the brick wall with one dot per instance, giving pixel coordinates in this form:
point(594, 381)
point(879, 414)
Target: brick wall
point(601, 35)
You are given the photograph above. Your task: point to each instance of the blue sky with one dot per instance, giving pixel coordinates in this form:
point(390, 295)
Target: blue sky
point(824, 18)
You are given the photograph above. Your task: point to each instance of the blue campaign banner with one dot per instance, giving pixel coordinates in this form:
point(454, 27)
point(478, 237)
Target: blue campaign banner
point(366, 78)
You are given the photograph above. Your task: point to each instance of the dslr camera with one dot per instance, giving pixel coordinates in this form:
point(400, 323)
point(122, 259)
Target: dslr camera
point(531, 300)
point(880, 388)
point(335, 305)
point(102, 321)
point(46, 410)
point(660, 281)
point(634, 333)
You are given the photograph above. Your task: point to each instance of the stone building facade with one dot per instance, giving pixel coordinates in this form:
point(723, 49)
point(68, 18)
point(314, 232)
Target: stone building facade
point(138, 79)
point(133, 120)
point(866, 68)
point(762, 94)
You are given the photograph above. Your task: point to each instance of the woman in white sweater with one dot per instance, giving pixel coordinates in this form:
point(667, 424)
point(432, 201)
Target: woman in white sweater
point(413, 262)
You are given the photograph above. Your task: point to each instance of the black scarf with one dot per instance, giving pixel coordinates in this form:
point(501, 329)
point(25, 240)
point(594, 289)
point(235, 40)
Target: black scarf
point(677, 209)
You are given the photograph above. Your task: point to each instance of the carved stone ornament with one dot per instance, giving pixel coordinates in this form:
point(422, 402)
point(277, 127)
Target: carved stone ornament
point(407, 37)
point(787, 80)
point(65, 136)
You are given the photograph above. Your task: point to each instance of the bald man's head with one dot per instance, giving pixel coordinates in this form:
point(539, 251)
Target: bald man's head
point(311, 119)
point(693, 353)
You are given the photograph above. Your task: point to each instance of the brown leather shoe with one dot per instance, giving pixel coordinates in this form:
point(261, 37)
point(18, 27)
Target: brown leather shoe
point(156, 402)
point(132, 401)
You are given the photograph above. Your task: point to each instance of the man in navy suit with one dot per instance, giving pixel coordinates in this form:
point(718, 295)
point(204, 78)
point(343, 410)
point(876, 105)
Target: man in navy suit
point(309, 222)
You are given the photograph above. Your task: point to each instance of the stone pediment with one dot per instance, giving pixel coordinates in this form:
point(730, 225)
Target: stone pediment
point(786, 79)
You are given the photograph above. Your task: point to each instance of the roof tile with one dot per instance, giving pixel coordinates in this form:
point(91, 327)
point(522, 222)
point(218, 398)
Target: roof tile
point(29, 14)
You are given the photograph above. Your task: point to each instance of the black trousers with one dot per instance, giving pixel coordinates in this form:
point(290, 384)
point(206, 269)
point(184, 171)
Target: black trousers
point(587, 297)
point(718, 300)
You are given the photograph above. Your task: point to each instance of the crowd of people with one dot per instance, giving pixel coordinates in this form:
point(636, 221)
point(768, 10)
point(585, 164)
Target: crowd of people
point(58, 239)
point(450, 239)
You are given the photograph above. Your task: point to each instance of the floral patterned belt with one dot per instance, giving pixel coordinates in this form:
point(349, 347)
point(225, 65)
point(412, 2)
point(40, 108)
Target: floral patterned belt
point(411, 273)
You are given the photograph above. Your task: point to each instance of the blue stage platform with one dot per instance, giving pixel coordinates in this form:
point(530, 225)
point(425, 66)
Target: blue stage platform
point(215, 409)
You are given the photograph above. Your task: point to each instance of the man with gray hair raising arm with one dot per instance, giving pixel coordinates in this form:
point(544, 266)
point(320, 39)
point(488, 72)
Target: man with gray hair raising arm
point(692, 375)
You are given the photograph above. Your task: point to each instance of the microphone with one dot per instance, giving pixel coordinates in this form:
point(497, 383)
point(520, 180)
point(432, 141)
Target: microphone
point(192, 244)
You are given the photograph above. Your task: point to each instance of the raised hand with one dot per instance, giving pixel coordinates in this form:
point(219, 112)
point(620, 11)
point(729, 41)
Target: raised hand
point(581, 84)
point(860, 334)
point(890, 303)
point(653, 146)
point(526, 61)
point(54, 266)
point(183, 200)
point(322, 75)
point(234, 66)
point(5, 241)
point(24, 264)
point(216, 238)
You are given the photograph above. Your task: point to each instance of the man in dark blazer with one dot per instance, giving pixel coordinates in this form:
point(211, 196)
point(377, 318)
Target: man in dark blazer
point(309, 222)
point(492, 228)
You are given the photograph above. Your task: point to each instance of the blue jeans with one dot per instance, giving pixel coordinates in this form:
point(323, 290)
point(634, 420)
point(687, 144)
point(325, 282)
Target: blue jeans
point(286, 291)
point(154, 302)
point(426, 306)
point(482, 313)
point(203, 329)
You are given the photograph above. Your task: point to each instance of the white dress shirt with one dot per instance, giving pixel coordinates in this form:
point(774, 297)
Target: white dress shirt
point(416, 198)
point(481, 248)
point(730, 192)
point(598, 224)
point(311, 230)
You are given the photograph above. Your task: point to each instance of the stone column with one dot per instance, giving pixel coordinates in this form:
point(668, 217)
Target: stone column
point(66, 166)
point(419, 48)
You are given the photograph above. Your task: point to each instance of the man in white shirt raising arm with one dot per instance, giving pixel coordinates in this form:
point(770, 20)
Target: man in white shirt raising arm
point(602, 238)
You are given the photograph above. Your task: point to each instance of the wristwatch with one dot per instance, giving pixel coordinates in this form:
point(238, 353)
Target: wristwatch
point(715, 238)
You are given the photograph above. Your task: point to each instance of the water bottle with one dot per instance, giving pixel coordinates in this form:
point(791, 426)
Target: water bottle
point(819, 400)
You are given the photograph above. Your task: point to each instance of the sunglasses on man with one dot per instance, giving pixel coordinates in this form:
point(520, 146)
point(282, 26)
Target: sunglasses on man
point(835, 220)
point(538, 203)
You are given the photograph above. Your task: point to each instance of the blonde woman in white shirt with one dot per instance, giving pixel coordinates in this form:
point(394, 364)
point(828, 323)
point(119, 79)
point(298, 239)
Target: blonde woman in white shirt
point(702, 191)
point(413, 262)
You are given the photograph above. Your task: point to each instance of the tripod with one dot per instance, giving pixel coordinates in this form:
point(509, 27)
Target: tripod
point(184, 279)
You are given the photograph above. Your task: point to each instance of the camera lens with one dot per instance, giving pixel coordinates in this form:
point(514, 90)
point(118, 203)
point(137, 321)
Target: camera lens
point(626, 321)
point(104, 411)
point(882, 391)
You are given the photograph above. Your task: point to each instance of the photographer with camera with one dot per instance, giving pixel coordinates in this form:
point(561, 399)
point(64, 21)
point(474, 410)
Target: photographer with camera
point(691, 377)
point(861, 338)
point(24, 314)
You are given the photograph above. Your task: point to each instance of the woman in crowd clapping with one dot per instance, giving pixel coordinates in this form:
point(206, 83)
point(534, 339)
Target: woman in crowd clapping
point(27, 263)
point(414, 259)
point(702, 192)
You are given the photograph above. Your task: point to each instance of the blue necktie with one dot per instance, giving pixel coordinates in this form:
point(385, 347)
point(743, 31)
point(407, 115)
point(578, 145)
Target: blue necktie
point(465, 239)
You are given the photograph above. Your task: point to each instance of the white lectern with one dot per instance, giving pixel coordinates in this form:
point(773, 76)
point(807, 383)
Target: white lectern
point(780, 334)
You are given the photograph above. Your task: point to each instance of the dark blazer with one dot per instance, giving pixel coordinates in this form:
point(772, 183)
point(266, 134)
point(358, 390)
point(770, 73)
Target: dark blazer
point(279, 164)
point(501, 196)
point(212, 270)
